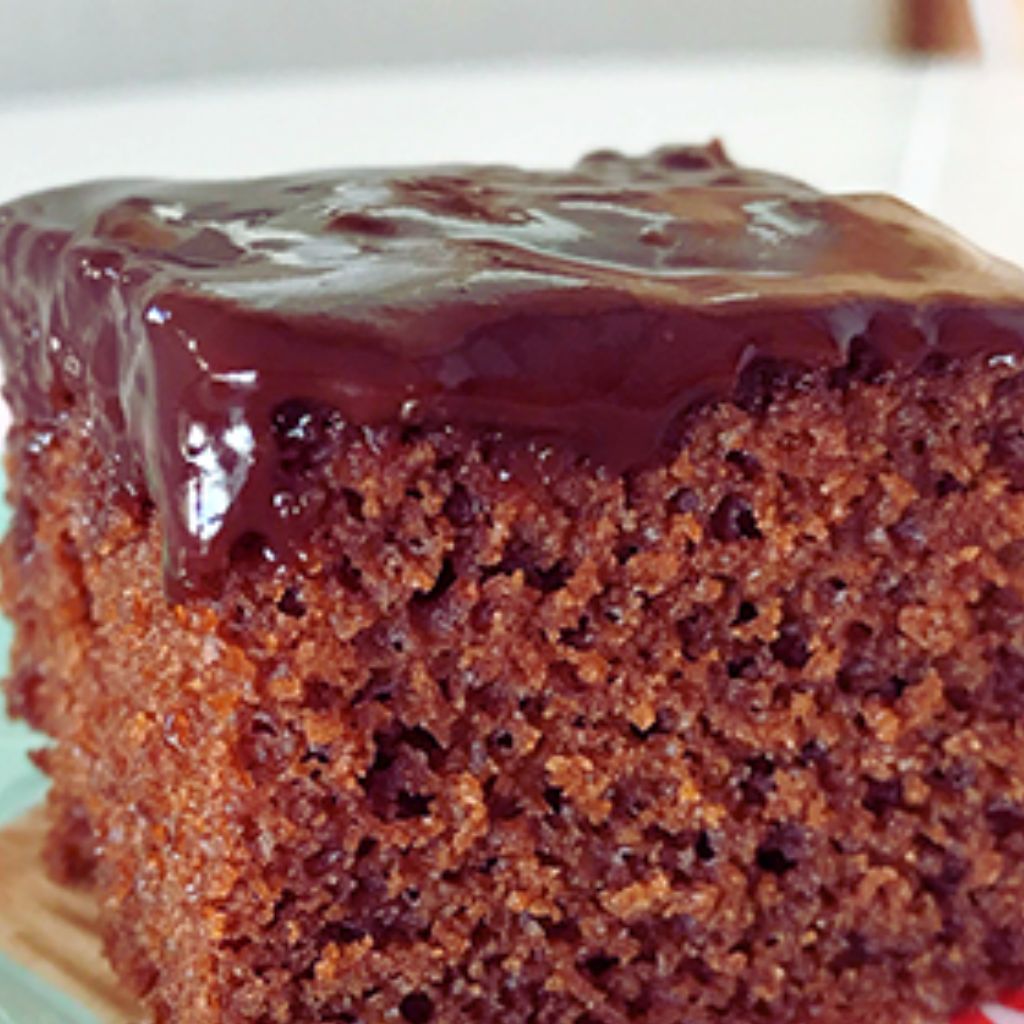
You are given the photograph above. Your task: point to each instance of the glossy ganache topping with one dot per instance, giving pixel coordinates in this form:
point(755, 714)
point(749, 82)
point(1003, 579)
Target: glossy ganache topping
point(585, 308)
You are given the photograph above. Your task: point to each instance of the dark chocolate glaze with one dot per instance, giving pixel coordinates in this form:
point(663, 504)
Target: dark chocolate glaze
point(585, 308)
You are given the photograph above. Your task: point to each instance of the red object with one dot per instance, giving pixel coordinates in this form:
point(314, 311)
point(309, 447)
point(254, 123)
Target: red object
point(971, 1017)
point(1014, 1000)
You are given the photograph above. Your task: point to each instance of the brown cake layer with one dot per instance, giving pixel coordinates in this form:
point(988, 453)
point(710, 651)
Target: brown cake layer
point(487, 723)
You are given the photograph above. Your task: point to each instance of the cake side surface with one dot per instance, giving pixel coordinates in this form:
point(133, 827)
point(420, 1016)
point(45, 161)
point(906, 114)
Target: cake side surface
point(592, 307)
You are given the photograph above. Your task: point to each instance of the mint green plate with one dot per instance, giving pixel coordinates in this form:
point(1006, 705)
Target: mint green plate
point(24, 997)
point(21, 785)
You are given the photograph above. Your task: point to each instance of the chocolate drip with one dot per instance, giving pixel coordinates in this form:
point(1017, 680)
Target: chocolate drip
point(587, 308)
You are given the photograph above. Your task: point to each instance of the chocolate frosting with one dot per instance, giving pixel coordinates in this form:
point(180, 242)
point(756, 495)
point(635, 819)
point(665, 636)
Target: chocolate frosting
point(586, 308)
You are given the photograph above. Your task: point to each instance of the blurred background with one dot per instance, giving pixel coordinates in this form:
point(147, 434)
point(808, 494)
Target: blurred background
point(924, 98)
point(83, 44)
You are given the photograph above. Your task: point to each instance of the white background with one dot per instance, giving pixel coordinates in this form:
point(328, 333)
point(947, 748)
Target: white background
point(74, 44)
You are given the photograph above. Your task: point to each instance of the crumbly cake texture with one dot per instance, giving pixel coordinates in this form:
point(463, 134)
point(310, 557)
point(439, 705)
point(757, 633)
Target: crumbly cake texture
point(735, 739)
point(519, 735)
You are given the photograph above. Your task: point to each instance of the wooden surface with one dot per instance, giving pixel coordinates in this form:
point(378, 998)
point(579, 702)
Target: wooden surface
point(52, 930)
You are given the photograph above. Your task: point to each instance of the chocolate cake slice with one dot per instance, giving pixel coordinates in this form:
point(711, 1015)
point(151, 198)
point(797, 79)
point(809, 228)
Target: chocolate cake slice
point(470, 594)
